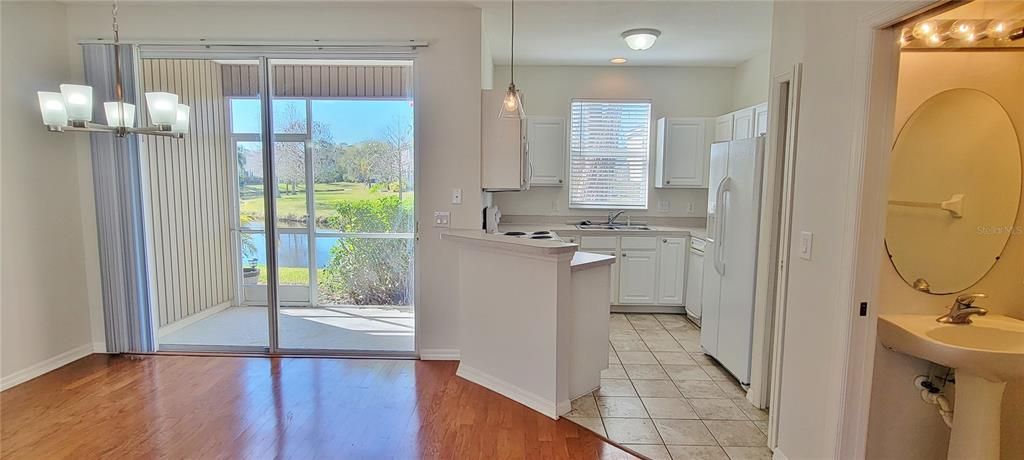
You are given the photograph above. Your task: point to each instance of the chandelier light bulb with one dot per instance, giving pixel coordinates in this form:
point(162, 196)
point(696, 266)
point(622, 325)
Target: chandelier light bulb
point(77, 101)
point(51, 106)
point(181, 119)
point(163, 108)
point(114, 110)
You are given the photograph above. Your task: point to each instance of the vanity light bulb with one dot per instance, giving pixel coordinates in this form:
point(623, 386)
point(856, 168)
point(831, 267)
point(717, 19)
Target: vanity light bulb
point(924, 29)
point(935, 40)
point(962, 30)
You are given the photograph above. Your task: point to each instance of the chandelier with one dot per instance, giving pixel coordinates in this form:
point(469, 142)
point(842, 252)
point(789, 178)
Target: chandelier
point(71, 108)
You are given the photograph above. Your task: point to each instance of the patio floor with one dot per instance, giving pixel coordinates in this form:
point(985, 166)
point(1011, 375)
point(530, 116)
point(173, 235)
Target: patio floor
point(320, 328)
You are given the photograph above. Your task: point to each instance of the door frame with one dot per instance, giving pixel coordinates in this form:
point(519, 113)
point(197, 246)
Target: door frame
point(773, 244)
point(263, 54)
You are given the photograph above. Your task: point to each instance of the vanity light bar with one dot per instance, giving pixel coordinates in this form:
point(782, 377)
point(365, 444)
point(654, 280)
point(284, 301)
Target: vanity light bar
point(963, 33)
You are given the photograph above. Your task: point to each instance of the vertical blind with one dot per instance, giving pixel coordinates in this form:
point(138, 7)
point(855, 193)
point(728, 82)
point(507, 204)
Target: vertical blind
point(609, 152)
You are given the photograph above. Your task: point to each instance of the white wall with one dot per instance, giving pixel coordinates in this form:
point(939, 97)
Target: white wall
point(448, 75)
point(750, 81)
point(674, 92)
point(824, 37)
point(901, 424)
point(45, 295)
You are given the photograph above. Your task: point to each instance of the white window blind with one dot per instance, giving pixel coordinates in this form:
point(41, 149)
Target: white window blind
point(609, 153)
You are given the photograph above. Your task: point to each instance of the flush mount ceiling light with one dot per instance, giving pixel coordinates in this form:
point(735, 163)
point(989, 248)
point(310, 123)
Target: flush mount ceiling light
point(618, 60)
point(71, 108)
point(641, 39)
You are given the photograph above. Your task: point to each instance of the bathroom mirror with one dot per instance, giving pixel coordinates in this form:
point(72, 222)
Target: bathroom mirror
point(954, 190)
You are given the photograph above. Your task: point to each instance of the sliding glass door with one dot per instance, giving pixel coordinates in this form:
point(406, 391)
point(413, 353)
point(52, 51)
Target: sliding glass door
point(340, 203)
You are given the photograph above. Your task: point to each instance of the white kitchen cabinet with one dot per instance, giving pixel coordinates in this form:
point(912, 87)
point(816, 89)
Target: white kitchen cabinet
point(672, 270)
point(694, 283)
point(504, 154)
point(638, 270)
point(682, 153)
point(546, 138)
point(609, 246)
point(723, 128)
point(743, 124)
point(761, 119)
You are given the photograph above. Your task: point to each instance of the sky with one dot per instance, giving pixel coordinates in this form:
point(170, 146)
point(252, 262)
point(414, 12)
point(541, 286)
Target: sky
point(350, 121)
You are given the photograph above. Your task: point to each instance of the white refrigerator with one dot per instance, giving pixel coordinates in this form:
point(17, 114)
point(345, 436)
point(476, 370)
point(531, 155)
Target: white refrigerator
point(730, 258)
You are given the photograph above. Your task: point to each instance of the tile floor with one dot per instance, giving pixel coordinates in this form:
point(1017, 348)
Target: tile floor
point(663, 398)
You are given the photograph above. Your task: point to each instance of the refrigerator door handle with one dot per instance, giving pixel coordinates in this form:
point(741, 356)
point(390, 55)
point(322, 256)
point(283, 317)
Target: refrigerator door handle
point(723, 211)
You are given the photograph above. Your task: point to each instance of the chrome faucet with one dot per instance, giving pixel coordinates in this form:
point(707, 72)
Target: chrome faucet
point(612, 215)
point(962, 309)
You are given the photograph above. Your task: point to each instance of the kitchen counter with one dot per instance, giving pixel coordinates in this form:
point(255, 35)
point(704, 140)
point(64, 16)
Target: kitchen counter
point(534, 315)
point(570, 229)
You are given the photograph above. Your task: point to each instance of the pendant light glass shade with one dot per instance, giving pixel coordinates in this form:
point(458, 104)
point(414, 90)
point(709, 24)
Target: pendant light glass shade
point(114, 110)
point(77, 101)
point(512, 104)
point(181, 119)
point(163, 108)
point(51, 106)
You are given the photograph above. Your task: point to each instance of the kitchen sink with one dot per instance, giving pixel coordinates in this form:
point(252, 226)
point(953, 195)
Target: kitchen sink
point(612, 227)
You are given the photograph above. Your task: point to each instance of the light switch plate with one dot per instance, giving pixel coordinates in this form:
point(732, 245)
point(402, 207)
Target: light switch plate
point(664, 205)
point(806, 245)
point(442, 219)
point(456, 196)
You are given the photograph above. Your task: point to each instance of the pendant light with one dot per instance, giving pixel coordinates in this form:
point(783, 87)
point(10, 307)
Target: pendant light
point(71, 108)
point(512, 105)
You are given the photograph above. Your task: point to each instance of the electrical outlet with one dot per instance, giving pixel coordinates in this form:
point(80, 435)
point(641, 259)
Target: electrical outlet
point(806, 245)
point(456, 196)
point(442, 219)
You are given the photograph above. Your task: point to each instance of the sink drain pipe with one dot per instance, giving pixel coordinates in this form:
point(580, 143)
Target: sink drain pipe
point(932, 394)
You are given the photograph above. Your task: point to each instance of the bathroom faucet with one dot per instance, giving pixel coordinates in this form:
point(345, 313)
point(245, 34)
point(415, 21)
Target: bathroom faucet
point(962, 309)
point(612, 215)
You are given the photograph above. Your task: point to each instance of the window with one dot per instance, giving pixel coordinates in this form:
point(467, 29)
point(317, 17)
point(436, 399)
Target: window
point(609, 151)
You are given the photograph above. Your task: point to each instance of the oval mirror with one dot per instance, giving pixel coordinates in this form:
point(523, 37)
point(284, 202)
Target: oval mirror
point(954, 190)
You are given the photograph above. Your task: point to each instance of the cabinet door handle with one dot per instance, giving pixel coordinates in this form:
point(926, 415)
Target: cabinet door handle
point(664, 241)
point(559, 181)
point(623, 254)
point(668, 182)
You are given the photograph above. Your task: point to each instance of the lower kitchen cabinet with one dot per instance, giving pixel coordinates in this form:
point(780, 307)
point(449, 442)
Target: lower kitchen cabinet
point(694, 282)
point(671, 270)
point(649, 270)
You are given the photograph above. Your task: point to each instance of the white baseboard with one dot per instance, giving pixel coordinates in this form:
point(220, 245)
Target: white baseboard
point(99, 347)
point(188, 320)
point(508, 390)
point(440, 354)
point(778, 455)
point(665, 309)
point(43, 367)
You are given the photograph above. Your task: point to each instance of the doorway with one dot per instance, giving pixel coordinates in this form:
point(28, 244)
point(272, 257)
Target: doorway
point(302, 171)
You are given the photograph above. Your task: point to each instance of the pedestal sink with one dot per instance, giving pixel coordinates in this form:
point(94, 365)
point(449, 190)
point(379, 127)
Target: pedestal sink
point(985, 354)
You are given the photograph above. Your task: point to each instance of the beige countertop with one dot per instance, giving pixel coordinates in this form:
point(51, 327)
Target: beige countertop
point(583, 260)
point(546, 247)
point(569, 229)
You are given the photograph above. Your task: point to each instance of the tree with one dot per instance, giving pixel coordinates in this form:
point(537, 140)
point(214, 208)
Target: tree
point(396, 162)
point(361, 161)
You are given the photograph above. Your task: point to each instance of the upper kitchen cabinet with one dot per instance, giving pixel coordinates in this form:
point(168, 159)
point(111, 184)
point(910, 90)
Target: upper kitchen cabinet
point(546, 139)
point(504, 163)
point(723, 128)
point(761, 120)
point(682, 153)
point(743, 124)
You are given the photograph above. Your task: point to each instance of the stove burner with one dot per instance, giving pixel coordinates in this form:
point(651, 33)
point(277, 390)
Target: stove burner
point(513, 233)
point(542, 232)
point(540, 237)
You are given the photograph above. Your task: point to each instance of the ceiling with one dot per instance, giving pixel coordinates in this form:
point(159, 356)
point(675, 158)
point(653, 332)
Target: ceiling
point(723, 33)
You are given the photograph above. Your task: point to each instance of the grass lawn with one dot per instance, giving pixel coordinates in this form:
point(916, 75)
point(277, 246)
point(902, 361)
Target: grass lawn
point(288, 275)
point(325, 196)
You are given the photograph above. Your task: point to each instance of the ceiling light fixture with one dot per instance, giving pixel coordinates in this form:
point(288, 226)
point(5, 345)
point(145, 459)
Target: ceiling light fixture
point(71, 108)
point(512, 105)
point(618, 60)
point(641, 39)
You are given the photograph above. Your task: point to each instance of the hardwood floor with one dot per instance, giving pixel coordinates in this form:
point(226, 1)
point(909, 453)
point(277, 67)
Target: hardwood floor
point(303, 408)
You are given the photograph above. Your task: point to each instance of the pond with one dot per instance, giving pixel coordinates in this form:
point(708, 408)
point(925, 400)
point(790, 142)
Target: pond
point(294, 250)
